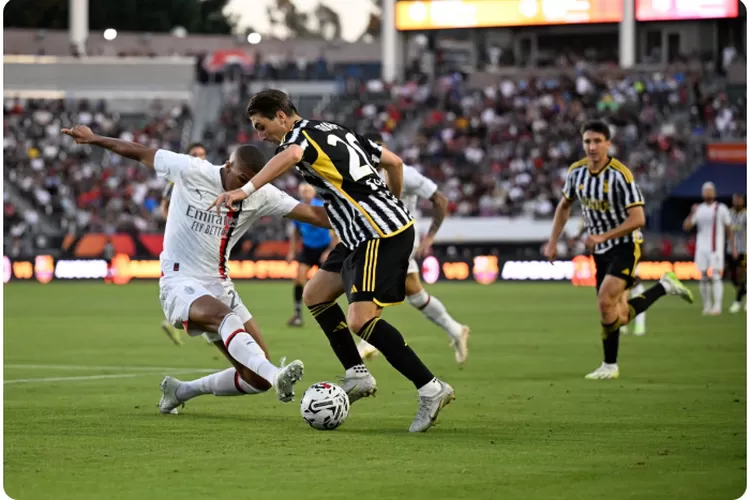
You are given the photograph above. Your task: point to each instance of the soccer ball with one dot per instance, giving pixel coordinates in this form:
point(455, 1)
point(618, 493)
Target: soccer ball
point(324, 406)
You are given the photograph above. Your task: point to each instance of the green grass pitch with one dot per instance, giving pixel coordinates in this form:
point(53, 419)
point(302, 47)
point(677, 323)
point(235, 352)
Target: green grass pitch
point(525, 424)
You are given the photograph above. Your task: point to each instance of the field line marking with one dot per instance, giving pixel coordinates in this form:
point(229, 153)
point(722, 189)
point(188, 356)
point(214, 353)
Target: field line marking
point(90, 377)
point(118, 368)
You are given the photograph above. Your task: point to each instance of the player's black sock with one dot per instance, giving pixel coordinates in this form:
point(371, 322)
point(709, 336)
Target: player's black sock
point(298, 299)
point(391, 343)
point(331, 319)
point(741, 291)
point(645, 300)
point(611, 340)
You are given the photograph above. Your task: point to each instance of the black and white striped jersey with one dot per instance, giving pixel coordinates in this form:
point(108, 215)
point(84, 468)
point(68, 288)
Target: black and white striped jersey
point(340, 164)
point(605, 199)
point(739, 230)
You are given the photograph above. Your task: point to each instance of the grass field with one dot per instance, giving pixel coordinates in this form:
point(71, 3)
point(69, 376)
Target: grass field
point(525, 424)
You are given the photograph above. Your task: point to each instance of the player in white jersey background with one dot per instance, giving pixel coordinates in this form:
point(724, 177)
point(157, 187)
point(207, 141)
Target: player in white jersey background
point(197, 150)
point(416, 186)
point(195, 289)
point(713, 225)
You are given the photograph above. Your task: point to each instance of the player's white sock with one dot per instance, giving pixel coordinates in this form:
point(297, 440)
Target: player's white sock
point(640, 320)
point(224, 383)
point(718, 286)
point(357, 371)
point(244, 348)
point(436, 312)
point(705, 287)
point(430, 389)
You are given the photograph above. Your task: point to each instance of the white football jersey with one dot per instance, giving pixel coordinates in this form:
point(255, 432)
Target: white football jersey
point(198, 241)
point(711, 220)
point(415, 186)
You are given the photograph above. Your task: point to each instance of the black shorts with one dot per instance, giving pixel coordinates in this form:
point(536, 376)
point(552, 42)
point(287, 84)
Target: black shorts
point(376, 270)
point(620, 261)
point(311, 256)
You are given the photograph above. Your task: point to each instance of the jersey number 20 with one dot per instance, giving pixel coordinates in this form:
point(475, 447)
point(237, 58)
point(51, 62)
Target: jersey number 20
point(359, 167)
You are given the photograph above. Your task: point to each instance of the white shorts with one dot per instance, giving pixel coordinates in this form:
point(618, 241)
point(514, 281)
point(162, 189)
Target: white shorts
point(705, 260)
point(413, 264)
point(177, 294)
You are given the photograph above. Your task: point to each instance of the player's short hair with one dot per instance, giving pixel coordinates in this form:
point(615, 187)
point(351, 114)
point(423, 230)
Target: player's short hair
point(249, 158)
point(268, 102)
point(374, 136)
point(708, 185)
point(598, 126)
point(194, 145)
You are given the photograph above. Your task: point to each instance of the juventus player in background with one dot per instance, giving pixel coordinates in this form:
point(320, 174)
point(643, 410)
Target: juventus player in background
point(713, 223)
point(613, 212)
point(738, 256)
point(195, 290)
point(376, 233)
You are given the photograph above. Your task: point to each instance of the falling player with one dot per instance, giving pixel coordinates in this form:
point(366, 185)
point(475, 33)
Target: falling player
point(195, 289)
point(418, 186)
point(376, 233)
point(197, 150)
point(317, 243)
point(713, 223)
point(738, 257)
point(613, 212)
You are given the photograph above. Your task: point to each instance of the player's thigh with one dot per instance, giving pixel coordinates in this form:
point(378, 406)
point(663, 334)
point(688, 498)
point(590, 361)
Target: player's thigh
point(413, 283)
point(189, 303)
point(703, 261)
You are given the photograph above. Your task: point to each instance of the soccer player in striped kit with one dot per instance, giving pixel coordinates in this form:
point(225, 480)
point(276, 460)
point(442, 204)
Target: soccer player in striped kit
point(738, 256)
point(713, 225)
point(376, 232)
point(613, 213)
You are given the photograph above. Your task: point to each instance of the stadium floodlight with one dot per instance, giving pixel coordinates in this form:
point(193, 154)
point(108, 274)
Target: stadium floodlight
point(253, 38)
point(110, 34)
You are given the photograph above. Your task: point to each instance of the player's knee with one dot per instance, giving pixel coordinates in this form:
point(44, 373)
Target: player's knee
point(209, 312)
point(254, 380)
point(608, 305)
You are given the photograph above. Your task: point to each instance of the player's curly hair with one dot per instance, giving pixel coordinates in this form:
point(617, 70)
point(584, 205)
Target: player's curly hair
point(268, 102)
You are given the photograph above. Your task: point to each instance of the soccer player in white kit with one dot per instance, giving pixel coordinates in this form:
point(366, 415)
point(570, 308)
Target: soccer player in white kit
point(195, 290)
point(713, 223)
point(418, 186)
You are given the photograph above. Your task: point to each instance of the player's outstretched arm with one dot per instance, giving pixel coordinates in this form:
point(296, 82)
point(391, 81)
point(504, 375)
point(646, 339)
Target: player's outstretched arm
point(276, 166)
point(317, 216)
point(394, 169)
point(83, 135)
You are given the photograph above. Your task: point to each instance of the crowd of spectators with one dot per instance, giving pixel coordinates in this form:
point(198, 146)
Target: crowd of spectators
point(501, 150)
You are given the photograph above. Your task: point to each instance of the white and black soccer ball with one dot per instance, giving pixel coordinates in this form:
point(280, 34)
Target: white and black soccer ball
point(325, 406)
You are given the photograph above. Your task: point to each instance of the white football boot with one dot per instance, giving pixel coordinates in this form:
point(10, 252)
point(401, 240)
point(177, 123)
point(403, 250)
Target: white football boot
point(461, 345)
point(359, 386)
point(429, 408)
point(367, 350)
point(736, 307)
point(168, 403)
point(287, 376)
point(604, 372)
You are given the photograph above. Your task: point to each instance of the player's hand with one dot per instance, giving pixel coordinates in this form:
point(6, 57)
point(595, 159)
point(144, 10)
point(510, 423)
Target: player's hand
point(592, 240)
point(693, 208)
point(735, 254)
point(80, 133)
point(290, 256)
point(227, 200)
point(550, 250)
point(425, 246)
